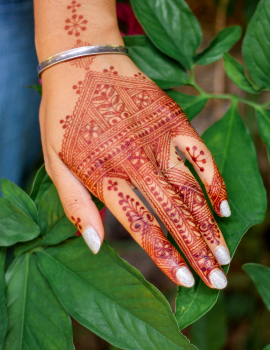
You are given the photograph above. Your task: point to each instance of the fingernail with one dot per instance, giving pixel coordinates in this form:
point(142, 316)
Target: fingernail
point(218, 279)
point(92, 239)
point(223, 255)
point(185, 277)
point(225, 208)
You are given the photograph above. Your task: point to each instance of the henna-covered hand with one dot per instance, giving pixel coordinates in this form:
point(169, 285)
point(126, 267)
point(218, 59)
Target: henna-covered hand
point(107, 128)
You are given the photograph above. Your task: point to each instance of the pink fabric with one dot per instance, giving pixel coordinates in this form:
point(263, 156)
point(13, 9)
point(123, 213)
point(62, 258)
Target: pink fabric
point(126, 15)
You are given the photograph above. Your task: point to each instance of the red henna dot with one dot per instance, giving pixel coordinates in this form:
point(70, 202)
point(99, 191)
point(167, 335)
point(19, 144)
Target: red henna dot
point(201, 169)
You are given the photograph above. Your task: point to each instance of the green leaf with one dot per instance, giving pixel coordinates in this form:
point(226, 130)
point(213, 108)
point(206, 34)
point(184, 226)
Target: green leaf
point(15, 225)
point(191, 105)
point(234, 152)
point(256, 45)
point(221, 44)
point(21, 248)
point(3, 306)
point(267, 347)
point(193, 303)
point(37, 320)
point(236, 73)
point(19, 198)
point(37, 87)
point(41, 184)
point(209, 332)
point(263, 120)
point(54, 224)
point(163, 70)
point(171, 26)
point(110, 297)
point(260, 275)
point(97, 202)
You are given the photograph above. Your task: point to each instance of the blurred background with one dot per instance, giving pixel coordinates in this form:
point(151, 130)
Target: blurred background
point(240, 318)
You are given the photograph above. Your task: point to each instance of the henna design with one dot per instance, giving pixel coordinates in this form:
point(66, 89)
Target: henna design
point(83, 62)
point(217, 190)
point(113, 133)
point(78, 87)
point(77, 222)
point(153, 240)
point(112, 185)
point(75, 24)
point(73, 6)
point(196, 158)
point(192, 195)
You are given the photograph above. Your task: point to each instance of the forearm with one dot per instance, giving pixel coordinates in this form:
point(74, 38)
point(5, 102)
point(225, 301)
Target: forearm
point(64, 24)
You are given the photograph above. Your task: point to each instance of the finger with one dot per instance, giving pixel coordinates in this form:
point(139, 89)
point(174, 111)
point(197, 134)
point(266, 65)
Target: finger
point(180, 177)
point(192, 146)
point(77, 203)
point(179, 221)
point(143, 227)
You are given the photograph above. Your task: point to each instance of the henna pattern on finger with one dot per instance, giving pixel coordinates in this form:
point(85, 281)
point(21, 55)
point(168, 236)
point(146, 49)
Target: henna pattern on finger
point(154, 242)
point(196, 158)
point(113, 133)
point(77, 222)
point(217, 190)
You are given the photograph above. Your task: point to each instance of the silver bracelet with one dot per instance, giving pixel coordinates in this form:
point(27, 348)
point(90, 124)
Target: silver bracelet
point(80, 52)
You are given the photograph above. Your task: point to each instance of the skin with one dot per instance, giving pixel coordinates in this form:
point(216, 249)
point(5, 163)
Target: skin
point(111, 129)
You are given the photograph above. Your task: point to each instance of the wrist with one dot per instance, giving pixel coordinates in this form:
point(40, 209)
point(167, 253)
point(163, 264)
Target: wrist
point(60, 27)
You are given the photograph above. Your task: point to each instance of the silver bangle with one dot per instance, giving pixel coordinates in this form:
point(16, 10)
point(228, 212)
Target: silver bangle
point(80, 52)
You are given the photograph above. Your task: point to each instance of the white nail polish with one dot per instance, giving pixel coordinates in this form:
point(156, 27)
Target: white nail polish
point(223, 255)
point(225, 208)
point(218, 279)
point(185, 277)
point(92, 239)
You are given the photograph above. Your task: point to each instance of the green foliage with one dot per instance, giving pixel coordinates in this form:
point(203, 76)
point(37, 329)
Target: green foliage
point(236, 73)
point(167, 23)
point(91, 288)
point(54, 276)
point(260, 275)
point(37, 320)
point(267, 347)
point(15, 225)
point(3, 307)
point(209, 332)
point(256, 45)
point(163, 70)
point(222, 43)
point(191, 105)
point(263, 119)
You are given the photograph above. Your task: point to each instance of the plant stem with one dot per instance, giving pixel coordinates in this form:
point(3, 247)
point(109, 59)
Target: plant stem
point(226, 96)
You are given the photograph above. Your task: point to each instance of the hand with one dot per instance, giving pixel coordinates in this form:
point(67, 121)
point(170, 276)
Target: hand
point(110, 129)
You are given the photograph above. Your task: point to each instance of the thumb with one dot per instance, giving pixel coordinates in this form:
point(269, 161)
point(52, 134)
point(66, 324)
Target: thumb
point(78, 204)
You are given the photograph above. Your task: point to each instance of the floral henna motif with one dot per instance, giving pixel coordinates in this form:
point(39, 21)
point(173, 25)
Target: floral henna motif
point(78, 87)
point(82, 62)
point(153, 240)
point(77, 222)
point(112, 133)
point(217, 190)
point(75, 24)
point(196, 158)
point(112, 185)
point(73, 7)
